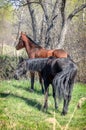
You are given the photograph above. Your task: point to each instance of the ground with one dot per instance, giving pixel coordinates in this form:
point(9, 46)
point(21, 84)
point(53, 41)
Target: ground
point(22, 110)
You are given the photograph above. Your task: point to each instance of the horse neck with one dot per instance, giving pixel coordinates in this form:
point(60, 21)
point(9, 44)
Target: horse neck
point(28, 46)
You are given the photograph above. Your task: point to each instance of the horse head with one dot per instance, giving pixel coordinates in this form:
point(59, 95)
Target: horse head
point(21, 69)
point(22, 40)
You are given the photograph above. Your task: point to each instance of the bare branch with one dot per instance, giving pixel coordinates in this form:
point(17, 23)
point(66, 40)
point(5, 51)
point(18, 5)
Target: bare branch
point(67, 23)
point(54, 9)
point(76, 11)
point(33, 20)
point(45, 12)
point(50, 24)
point(63, 11)
point(25, 4)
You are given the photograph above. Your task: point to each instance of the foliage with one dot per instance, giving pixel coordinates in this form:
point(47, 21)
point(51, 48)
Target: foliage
point(6, 19)
point(6, 11)
point(20, 109)
point(73, 4)
point(7, 66)
point(75, 38)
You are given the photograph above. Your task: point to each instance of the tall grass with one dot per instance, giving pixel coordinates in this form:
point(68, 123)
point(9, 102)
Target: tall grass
point(22, 110)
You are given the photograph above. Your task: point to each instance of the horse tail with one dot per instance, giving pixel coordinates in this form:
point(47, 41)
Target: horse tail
point(64, 81)
point(69, 57)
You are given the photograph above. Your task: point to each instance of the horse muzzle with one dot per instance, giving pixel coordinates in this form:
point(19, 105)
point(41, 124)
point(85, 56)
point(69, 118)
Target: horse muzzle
point(16, 77)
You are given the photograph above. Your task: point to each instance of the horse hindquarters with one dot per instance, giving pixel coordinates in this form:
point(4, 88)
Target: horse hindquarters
point(59, 53)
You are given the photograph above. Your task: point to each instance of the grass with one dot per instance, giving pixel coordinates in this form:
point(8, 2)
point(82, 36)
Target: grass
point(21, 110)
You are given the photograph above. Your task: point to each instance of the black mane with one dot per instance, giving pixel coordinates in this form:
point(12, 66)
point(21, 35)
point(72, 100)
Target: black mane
point(33, 41)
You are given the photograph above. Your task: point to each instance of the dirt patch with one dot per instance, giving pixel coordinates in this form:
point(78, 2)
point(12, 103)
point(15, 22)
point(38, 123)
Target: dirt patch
point(51, 120)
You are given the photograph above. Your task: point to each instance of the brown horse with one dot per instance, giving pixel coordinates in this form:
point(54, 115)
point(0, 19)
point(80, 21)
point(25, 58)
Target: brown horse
point(35, 51)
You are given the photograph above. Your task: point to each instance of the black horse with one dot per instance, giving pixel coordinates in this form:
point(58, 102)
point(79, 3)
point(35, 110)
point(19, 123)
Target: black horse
point(60, 72)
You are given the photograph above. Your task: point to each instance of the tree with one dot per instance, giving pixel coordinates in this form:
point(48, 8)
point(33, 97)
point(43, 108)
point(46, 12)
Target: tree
point(52, 12)
point(51, 23)
point(5, 18)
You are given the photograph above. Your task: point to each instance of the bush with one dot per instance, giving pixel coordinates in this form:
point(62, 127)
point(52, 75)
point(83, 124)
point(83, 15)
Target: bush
point(7, 67)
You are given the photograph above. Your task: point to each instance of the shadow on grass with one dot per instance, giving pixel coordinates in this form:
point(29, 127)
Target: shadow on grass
point(21, 87)
point(32, 102)
point(39, 92)
point(3, 95)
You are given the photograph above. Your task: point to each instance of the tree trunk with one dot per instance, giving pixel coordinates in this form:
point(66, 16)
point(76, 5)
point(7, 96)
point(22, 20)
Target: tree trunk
point(31, 11)
point(67, 23)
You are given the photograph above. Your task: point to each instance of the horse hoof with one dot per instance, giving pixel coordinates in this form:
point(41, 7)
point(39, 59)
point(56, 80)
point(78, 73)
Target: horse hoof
point(56, 107)
point(44, 108)
point(31, 90)
point(42, 91)
point(63, 113)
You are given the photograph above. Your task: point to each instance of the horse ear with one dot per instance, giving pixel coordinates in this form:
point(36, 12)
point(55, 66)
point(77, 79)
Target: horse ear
point(21, 33)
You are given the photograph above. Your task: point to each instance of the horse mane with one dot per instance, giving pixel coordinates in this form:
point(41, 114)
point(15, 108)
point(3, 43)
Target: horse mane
point(36, 64)
point(33, 42)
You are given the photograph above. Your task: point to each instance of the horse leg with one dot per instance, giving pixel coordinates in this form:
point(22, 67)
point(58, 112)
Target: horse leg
point(67, 98)
point(54, 96)
point(46, 97)
point(32, 81)
point(66, 103)
point(41, 82)
point(64, 107)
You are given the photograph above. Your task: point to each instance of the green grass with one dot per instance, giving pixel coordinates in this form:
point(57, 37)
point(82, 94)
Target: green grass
point(21, 110)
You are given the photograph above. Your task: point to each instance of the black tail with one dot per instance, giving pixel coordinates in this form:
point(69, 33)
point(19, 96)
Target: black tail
point(63, 82)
